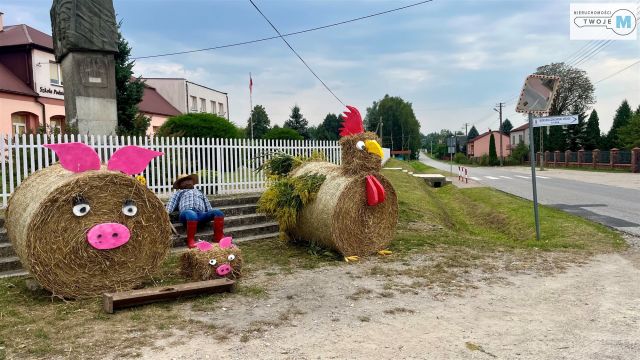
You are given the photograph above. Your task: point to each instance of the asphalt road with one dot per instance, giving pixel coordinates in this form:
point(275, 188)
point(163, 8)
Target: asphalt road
point(610, 205)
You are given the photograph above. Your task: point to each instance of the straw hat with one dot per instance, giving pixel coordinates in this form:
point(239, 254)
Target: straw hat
point(193, 177)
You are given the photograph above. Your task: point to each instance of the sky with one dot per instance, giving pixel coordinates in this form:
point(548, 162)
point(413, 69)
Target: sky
point(454, 60)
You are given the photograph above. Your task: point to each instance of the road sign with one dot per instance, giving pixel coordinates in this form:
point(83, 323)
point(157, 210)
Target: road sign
point(555, 120)
point(537, 94)
point(452, 149)
point(451, 141)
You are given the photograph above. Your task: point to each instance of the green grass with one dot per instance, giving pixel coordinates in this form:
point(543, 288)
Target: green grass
point(457, 228)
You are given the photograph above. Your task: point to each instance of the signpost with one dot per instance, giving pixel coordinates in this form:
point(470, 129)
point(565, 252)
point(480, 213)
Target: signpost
point(451, 144)
point(536, 98)
point(552, 121)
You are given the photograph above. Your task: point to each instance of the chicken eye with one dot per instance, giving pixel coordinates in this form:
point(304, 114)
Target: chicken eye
point(212, 262)
point(80, 206)
point(360, 145)
point(231, 257)
point(129, 208)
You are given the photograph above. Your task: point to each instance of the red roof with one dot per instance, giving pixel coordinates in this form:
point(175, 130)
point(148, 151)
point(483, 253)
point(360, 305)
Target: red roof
point(11, 83)
point(521, 127)
point(486, 134)
point(14, 35)
point(153, 103)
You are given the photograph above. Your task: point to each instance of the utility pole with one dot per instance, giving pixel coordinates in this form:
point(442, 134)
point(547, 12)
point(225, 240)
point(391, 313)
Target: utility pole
point(381, 139)
point(466, 125)
point(542, 132)
point(499, 110)
point(250, 105)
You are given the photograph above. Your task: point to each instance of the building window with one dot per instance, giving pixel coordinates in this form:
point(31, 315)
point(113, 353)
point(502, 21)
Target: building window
point(213, 107)
point(19, 123)
point(55, 73)
point(194, 103)
point(221, 109)
point(203, 105)
point(519, 138)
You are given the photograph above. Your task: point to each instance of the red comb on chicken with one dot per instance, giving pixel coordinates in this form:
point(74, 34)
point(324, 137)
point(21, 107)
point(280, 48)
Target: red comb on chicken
point(361, 154)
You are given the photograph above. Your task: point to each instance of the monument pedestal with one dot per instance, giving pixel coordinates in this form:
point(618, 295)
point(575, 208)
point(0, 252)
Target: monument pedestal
point(90, 92)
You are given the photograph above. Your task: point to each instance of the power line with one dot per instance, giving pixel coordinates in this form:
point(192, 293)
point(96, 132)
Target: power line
point(288, 34)
point(617, 72)
point(295, 52)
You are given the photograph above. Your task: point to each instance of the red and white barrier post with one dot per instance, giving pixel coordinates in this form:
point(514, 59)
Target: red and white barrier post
point(466, 175)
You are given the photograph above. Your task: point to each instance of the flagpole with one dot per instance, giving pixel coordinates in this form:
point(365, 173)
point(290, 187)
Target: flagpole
point(251, 105)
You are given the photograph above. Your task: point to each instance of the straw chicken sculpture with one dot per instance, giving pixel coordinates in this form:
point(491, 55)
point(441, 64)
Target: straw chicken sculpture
point(355, 210)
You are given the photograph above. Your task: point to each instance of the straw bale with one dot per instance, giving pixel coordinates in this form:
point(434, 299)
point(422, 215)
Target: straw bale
point(194, 263)
point(51, 241)
point(339, 217)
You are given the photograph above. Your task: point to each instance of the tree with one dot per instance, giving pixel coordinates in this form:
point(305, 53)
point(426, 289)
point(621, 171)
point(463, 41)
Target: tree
point(506, 127)
point(400, 127)
point(283, 134)
point(129, 92)
point(493, 156)
point(261, 122)
point(297, 122)
point(622, 118)
point(555, 140)
point(575, 134)
point(200, 125)
point(575, 93)
point(630, 133)
point(592, 132)
point(472, 133)
point(330, 127)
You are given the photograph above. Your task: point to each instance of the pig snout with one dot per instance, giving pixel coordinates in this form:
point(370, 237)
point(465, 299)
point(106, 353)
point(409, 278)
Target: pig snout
point(108, 236)
point(224, 270)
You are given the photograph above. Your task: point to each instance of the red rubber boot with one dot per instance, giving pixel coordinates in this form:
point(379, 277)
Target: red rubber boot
point(192, 228)
point(218, 228)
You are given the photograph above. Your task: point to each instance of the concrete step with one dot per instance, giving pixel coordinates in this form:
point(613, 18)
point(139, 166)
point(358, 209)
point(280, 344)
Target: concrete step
point(237, 232)
point(12, 273)
point(243, 209)
point(240, 199)
point(229, 221)
point(6, 250)
point(10, 263)
point(273, 235)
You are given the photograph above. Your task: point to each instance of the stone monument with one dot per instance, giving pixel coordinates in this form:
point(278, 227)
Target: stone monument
point(85, 39)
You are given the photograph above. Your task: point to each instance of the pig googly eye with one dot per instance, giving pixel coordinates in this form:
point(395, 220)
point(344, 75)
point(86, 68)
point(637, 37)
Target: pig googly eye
point(80, 206)
point(212, 262)
point(129, 208)
point(231, 257)
point(360, 145)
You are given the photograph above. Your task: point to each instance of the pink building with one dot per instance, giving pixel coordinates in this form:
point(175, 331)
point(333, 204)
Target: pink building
point(479, 145)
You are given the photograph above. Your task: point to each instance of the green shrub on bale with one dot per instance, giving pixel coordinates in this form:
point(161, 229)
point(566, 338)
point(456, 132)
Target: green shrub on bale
point(286, 195)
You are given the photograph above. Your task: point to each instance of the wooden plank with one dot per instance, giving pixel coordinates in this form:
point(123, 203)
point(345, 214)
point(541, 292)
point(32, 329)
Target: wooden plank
point(124, 299)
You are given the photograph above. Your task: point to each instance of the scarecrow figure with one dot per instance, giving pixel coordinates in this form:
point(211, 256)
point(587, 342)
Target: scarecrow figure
point(194, 207)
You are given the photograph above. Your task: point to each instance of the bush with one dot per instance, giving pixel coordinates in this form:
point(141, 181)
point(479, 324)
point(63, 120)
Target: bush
point(283, 134)
point(460, 158)
point(485, 160)
point(198, 125)
point(519, 153)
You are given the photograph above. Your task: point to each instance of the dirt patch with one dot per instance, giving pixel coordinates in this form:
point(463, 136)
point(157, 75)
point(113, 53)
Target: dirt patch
point(504, 306)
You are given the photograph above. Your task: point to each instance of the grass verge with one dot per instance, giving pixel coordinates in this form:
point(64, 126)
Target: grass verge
point(453, 231)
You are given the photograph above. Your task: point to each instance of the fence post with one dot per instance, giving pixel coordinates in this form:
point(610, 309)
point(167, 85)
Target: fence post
point(613, 157)
point(567, 155)
point(546, 156)
point(595, 157)
point(580, 157)
point(556, 156)
point(538, 155)
point(635, 160)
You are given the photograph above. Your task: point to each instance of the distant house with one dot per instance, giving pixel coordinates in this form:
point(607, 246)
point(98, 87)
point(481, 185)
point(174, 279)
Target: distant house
point(156, 107)
point(520, 134)
point(479, 145)
point(189, 97)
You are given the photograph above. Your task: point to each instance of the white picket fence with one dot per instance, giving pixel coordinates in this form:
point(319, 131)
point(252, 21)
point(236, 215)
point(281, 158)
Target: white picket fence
point(224, 166)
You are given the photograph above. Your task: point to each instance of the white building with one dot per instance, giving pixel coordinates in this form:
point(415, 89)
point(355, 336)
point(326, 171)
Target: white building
point(520, 134)
point(189, 97)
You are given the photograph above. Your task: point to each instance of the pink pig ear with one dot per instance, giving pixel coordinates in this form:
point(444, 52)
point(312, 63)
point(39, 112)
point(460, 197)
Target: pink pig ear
point(76, 157)
point(131, 160)
point(203, 245)
point(225, 242)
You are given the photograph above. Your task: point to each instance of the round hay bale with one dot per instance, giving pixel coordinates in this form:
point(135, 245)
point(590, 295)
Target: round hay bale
point(196, 264)
point(51, 241)
point(339, 217)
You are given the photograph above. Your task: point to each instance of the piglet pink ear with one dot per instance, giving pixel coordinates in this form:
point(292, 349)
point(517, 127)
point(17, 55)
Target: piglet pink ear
point(203, 245)
point(76, 157)
point(131, 160)
point(225, 242)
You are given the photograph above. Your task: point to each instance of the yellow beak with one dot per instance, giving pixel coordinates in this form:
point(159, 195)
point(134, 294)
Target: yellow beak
point(373, 147)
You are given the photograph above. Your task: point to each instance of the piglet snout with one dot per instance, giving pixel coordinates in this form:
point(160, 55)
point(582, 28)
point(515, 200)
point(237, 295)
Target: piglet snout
point(224, 270)
point(108, 236)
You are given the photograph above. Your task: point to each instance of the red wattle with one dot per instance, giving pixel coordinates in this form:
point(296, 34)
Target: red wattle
point(372, 192)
